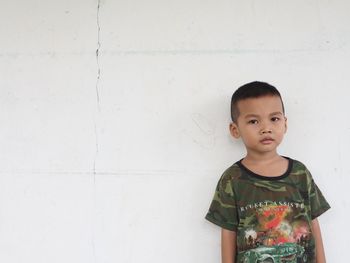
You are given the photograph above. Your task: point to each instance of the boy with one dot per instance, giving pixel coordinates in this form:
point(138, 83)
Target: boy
point(266, 204)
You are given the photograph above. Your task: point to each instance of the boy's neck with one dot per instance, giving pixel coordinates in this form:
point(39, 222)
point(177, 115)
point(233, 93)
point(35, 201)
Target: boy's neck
point(252, 157)
point(268, 164)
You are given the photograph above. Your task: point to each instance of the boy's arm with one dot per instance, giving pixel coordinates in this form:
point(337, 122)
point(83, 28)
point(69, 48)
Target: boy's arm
point(228, 246)
point(320, 255)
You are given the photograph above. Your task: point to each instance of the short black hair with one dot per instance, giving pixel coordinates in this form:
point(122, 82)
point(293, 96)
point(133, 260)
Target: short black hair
point(253, 89)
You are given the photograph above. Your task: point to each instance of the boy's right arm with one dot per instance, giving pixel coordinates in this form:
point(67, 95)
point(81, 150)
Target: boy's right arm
point(228, 246)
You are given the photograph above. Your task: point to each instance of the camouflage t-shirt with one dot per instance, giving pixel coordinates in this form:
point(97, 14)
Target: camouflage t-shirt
point(271, 215)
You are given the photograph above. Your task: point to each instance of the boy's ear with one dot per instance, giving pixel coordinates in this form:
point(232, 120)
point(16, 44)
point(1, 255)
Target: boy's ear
point(285, 125)
point(234, 130)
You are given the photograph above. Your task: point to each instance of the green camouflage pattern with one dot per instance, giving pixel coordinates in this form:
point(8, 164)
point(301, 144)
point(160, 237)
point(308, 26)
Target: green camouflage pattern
point(268, 212)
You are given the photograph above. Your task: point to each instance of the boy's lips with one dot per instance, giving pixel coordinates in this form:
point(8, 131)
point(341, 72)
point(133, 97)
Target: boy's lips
point(267, 140)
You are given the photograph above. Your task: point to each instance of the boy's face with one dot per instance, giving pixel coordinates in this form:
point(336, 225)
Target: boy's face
point(261, 124)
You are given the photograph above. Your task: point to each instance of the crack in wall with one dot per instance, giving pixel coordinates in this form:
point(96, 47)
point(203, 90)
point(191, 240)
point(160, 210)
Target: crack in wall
point(97, 55)
point(94, 197)
point(97, 84)
point(96, 131)
point(96, 153)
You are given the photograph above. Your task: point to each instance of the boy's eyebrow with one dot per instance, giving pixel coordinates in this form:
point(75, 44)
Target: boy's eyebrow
point(276, 113)
point(251, 115)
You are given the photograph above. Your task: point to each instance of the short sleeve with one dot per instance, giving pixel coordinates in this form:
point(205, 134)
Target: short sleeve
point(222, 210)
point(318, 204)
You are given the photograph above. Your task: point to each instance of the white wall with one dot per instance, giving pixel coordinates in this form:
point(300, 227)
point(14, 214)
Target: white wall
point(115, 157)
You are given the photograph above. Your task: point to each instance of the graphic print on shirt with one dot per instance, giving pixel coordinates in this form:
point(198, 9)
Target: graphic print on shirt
point(274, 232)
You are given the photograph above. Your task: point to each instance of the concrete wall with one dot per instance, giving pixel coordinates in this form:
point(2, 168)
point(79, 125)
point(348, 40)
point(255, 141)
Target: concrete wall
point(114, 120)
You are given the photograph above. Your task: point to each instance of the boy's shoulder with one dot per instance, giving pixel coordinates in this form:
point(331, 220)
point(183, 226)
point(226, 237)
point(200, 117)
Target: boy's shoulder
point(298, 164)
point(232, 172)
point(299, 168)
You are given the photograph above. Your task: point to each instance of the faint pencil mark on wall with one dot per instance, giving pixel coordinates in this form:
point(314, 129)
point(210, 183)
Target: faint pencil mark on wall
point(203, 133)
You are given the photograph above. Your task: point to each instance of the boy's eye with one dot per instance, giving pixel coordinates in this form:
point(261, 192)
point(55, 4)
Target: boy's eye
point(253, 121)
point(275, 119)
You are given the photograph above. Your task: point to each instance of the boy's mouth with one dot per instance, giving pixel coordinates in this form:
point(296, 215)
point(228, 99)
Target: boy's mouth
point(267, 140)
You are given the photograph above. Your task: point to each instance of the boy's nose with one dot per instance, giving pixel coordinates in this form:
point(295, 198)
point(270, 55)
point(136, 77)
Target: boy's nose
point(265, 127)
point(265, 130)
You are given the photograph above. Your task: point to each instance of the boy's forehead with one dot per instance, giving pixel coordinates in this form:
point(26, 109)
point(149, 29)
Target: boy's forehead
point(260, 105)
